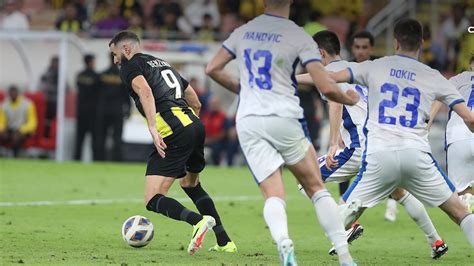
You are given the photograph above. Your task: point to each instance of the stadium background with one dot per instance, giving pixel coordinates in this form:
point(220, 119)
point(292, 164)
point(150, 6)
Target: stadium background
point(187, 36)
point(174, 30)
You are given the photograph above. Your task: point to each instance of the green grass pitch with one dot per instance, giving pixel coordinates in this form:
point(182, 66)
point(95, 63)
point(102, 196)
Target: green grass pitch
point(74, 230)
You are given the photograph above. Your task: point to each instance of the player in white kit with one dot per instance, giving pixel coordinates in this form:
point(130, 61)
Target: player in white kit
point(268, 50)
point(459, 140)
point(397, 153)
point(347, 122)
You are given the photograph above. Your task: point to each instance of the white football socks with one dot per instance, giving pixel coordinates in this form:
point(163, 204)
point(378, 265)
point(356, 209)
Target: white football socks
point(467, 226)
point(275, 216)
point(417, 212)
point(391, 204)
point(328, 216)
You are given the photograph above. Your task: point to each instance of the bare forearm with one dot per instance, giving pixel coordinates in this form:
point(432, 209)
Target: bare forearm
point(192, 99)
point(304, 79)
point(466, 114)
point(330, 89)
point(148, 103)
point(225, 80)
point(328, 86)
point(470, 122)
point(141, 87)
point(338, 96)
point(434, 111)
point(342, 76)
point(335, 120)
point(216, 70)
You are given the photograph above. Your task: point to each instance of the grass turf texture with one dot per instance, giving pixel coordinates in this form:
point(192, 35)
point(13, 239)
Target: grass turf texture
point(90, 234)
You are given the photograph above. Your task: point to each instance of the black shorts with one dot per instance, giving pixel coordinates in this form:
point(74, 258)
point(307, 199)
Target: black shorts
point(184, 153)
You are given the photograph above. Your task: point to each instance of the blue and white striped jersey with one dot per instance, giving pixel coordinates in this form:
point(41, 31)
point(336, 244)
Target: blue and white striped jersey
point(353, 117)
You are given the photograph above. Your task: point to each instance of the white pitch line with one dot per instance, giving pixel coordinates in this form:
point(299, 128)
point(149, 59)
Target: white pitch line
point(115, 201)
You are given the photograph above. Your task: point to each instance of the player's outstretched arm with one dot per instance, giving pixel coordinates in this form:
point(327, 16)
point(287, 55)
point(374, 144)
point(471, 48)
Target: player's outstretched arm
point(192, 99)
point(467, 115)
point(434, 111)
point(304, 79)
point(328, 87)
point(341, 76)
point(215, 70)
point(335, 120)
point(141, 87)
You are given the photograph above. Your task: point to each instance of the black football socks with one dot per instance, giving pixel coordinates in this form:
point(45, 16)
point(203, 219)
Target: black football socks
point(206, 206)
point(173, 209)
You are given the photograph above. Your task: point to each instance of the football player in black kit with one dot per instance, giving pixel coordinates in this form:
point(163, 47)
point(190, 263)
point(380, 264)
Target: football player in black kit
point(170, 106)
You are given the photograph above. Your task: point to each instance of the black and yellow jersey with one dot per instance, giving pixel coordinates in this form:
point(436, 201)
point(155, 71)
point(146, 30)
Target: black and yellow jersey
point(168, 89)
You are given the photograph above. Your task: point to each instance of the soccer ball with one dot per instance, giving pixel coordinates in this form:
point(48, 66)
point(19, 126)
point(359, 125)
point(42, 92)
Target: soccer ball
point(137, 231)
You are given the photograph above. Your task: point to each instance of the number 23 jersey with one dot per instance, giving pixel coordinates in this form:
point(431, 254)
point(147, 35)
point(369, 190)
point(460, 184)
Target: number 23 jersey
point(401, 91)
point(268, 50)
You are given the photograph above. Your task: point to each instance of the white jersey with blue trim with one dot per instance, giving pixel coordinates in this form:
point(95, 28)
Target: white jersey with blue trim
point(353, 117)
point(401, 92)
point(268, 50)
point(456, 129)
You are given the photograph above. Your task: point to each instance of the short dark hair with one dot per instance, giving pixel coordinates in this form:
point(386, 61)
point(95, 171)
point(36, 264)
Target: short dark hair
point(328, 41)
point(409, 33)
point(123, 35)
point(13, 88)
point(88, 58)
point(363, 34)
point(472, 59)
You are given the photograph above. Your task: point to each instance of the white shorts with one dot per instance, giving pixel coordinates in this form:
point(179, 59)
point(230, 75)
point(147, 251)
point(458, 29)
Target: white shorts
point(461, 163)
point(268, 142)
point(349, 160)
point(416, 171)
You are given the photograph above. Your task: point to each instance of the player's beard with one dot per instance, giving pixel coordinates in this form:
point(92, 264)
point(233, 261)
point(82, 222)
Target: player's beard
point(123, 59)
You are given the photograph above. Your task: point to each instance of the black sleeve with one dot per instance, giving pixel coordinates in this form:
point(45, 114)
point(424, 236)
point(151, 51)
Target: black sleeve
point(128, 72)
point(185, 83)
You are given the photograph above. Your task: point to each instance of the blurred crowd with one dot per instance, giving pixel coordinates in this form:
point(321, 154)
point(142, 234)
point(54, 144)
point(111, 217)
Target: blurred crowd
point(447, 48)
point(202, 20)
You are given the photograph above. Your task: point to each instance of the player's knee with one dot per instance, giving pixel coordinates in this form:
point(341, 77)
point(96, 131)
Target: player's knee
point(189, 181)
point(152, 204)
point(313, 187)
point(455, 208)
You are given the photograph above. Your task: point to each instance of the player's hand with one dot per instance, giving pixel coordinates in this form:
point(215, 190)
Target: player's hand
point(330, 157)
point(159, 142)
point(353, 96)
point(430, 123)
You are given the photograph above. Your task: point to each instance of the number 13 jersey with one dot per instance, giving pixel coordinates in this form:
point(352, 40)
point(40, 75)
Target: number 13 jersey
point(167, 86)
point(268, 50)
point(401, 92)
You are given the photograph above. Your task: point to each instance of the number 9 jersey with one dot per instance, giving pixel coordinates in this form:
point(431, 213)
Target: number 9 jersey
point(401, 92)
point(168, 89)
point(268, 50)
